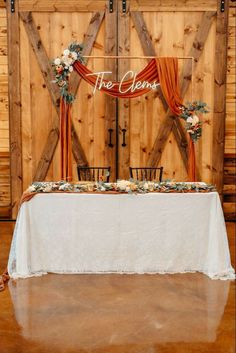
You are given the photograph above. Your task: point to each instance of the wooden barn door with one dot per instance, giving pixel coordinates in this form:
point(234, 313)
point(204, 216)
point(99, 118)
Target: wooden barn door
point(142, 130)
point(38, 32)
point(184, 29)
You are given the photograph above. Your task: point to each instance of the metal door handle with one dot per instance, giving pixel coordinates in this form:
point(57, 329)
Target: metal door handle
point(123, 143)
point(110, 137)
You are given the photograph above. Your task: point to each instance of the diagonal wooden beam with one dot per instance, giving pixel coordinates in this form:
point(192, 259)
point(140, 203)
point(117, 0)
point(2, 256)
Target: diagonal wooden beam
point(47, 73)
point(75, 79)
point(195, 52)
point(88, 43)
point(149, 50)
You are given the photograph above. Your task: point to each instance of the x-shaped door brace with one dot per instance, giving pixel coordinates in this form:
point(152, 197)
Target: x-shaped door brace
point(171, 123)
point(46, 69)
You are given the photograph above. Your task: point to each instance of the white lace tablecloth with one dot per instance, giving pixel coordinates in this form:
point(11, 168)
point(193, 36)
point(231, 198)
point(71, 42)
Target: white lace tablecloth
point(124, 233)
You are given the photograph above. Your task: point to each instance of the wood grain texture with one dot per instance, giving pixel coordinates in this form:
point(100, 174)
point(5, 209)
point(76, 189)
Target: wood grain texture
point(149, 50)
point(61, 6)
point(230, 121)
point(173, 5)
point(14, 107)
point(26, 111)
point(2, 3)
point(143, 122)
point(123, 104)
point(167, 124)
point(5, 200)
point(88, 43)
point(229, 189)
point(111, 33)
point(197, 48)
point(41, 55)
point(46, 70)
point(5, 191)
point(48, 76)
point(141, 28)
point(220, 94)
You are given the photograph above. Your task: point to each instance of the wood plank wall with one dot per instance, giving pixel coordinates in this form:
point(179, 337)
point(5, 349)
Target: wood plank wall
point(230, 138)
point(230, 125)
point(4, 120)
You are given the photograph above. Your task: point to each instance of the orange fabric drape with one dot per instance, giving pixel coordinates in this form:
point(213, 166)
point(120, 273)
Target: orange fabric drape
point(160, 70)
point(167, 69)
point(65, 140)
point(191, 161)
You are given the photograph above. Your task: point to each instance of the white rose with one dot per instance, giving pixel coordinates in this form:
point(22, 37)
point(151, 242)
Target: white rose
point(57, 61)
point(195, 120)
point(67, 61)
point(190, 120)
point(145, 186)
point(31, 189)
point(150, 186)
point(48, 188)
point(122, 184)
point(74, 55)
point(66, 52)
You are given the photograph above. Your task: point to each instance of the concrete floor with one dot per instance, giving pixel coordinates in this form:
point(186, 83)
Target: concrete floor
point(184, 313)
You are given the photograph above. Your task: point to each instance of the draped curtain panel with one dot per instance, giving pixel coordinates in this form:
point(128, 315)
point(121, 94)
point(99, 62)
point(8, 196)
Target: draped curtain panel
point(160, 70)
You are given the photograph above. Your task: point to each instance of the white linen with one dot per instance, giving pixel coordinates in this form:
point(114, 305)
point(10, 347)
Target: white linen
point(130, 233)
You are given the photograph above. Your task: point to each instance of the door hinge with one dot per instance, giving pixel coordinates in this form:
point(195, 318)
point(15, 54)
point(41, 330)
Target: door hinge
point(222, 6)
point(12, 5)
point(110, 5)
point(124, 6)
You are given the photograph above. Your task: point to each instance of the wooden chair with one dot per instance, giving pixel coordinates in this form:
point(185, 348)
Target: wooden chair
point(141, 174)
point(94, 173)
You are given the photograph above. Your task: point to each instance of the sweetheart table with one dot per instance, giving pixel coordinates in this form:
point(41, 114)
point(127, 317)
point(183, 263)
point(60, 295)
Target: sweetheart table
point(122, 233)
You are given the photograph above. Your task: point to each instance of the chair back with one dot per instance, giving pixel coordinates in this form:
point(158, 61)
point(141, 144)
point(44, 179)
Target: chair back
point(142, 174)
point(94, 173)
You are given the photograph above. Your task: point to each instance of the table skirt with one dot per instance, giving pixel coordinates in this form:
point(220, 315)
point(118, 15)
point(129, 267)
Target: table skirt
point(123, 233)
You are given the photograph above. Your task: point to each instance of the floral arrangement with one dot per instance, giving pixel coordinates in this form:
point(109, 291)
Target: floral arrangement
point(63, 67)
point(121, 186)
point(190, 115)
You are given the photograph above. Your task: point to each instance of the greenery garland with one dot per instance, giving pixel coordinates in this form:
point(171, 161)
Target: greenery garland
point(63, 66)
point(121, 186)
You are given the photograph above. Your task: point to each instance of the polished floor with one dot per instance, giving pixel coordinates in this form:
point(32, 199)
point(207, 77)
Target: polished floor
point(185, 313)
